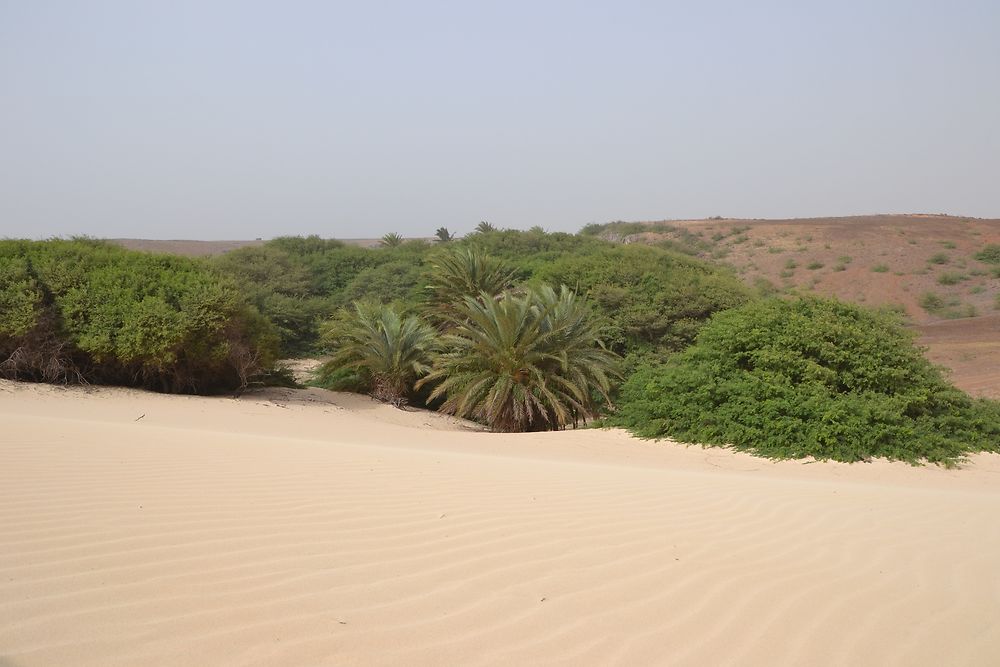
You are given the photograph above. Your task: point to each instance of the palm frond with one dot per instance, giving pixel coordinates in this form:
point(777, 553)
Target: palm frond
point(523, 362)
point(391, 351)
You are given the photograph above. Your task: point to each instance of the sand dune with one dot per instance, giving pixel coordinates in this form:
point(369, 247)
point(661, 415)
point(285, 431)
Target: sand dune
point(307, 528)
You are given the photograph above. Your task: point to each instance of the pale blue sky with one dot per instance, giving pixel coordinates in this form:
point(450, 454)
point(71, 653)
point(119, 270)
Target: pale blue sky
point(254, 119)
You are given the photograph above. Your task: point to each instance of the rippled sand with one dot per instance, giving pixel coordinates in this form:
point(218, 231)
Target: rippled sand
point(308, 528)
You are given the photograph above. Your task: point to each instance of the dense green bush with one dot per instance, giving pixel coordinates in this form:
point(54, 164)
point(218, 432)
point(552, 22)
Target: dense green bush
point(299, 282)
point(281, 286)
point(651, 298)
point(810, 377)
point(85, 311)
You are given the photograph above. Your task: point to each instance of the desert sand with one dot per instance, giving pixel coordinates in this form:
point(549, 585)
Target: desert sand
point(301, 527)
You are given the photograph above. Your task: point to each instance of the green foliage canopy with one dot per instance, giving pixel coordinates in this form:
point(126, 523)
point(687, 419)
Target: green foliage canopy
point(84, 310)
point(810, 377)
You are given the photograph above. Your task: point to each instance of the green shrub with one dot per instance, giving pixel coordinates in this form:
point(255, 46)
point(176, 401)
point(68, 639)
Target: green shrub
point(815, 265)
point(398, 280)
point(931, 302)
point(764, 286)
point(808, 378)
point(989, 254)
point(298, 282)
point(648, 297)
point(880, 268)
point(84, 311)
point(951, 278)
point(959, 311)
point(939, 258)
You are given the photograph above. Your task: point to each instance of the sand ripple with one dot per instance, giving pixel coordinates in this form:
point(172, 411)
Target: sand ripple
point(128, 543)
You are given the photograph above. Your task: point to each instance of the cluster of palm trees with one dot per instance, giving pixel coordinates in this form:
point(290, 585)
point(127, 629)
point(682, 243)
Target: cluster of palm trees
point(442, 235)
point(512, 358)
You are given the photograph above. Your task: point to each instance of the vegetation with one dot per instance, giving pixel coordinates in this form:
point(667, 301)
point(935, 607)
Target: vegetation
point(808, 378)
point(523, 362)
point(379, 351)
point(85, 311)
point(391, 240)
point(880, 268)
point(650, 299)
point(951, 278)
point(931, 302)
point(464, 272)
point(474, 327)
point(939, 258)
point(989, 254)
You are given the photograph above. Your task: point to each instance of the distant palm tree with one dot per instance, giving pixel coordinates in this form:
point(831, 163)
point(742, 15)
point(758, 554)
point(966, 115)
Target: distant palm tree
point(485, 228)
point(391, 240)
point(523, 362)
point(459, 272)
point(389, 351)
point(443, 235)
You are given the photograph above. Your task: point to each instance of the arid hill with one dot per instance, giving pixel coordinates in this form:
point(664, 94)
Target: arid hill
point(922, 264)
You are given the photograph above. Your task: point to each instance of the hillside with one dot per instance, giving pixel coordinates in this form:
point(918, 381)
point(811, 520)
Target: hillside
point(875, 260)
point(921, 263)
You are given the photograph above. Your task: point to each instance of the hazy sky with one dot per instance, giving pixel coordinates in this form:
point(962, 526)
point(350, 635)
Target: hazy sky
point(167, 119)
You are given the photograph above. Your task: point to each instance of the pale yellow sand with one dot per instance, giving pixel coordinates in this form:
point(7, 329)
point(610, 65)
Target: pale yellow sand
point(306, 528)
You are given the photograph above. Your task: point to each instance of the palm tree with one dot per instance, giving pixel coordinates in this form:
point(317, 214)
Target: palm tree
point(388, 351)
point(485, 228)
point(457, 273)
point(391, 240)
point(523, 362)
point(443, 235)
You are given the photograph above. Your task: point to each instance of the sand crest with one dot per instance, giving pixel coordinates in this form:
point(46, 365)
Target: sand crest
point(300, 527)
